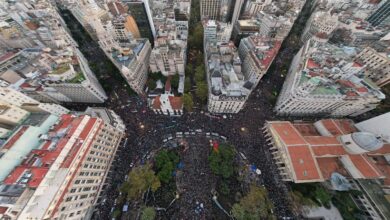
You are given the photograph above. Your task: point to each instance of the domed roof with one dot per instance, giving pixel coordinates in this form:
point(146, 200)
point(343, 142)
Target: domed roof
point(367, 141)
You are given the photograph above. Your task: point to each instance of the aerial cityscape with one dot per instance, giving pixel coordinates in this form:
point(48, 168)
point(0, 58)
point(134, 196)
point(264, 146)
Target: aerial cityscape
point(194, 109)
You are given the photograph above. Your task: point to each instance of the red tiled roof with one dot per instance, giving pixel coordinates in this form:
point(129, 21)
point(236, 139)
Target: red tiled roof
point(12, 140)
point(384, 150)
point(288, 133)
point(383, 166)
point(46, 145)
point(356, 64)
point(270, 55)
point(332, 127)
point(306, 129)
point(365, 167)
point(362, 89)
point(346, 83)
point(156, 103)
point(351, 93)
point(47, 157)
point(321, 140)
point(314, 157)
point(3, 209)
point(38, 173)
point(311, 64)
point(76, 146)
point(329, 151)
point(329, 165)
point(303, 163)
point(346, 125)
point(73, 175)
point(176, 102)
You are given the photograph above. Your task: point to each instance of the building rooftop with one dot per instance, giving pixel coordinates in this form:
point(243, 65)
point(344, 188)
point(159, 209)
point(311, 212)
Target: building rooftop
point(46, 164)
point(224, 70)
point(334, 72)
point(21, 143)
point(314, 150)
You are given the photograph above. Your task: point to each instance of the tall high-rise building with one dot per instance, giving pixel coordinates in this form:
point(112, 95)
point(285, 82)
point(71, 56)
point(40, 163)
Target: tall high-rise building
point(52, 69)
point(141, 12)
point(210, 9)
point(16, 98)
point(227, 11)
point(377, 65)
point(381, 15)
point(233, 74)
point(320, 26)
point(55, 167)
point(324, 80)
point(237, 9)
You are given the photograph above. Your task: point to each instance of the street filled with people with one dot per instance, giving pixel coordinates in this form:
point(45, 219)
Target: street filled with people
point(146, 130)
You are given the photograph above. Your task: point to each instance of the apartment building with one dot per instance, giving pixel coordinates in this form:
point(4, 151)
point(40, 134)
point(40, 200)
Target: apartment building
point(53, 69)
point(210, 9)
point(28, 24)
point(255, 6)
point(257, 54)
point(16, 98)
point(51, 76)
point(130, 56)
point(320, 26)
point(324, 80)
point(381, 15)
point(226, 83)
point(377, 65)
point(62, 171)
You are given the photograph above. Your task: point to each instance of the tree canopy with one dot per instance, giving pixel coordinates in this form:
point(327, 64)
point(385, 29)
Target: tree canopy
point(188, 102)
point(255, 205)
point(148, 213)
point(165, 164)
point(175, 81)
point(201, 91)
point(199, 73)
point(221, 161)
point(140, 179)
point(196, 37)
point(187, 85)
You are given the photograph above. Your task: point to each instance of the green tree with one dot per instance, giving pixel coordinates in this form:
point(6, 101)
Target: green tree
point(323, 196)
point(188, 102)
point(224, 187)
point(187, 85)
point(199, 59)
point(201, 91)
point(221, 161)
point(199, 73)
point(196, 38)
point(148, 213)
point(255, 205)
point(165, 164)
point(175, 81)
point(189, 70)
point(157, 76)
point(151, 84)
point(140, 179)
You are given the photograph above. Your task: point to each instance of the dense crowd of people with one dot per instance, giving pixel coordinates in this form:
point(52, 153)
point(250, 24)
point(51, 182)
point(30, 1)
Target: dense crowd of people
point(146, 130)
